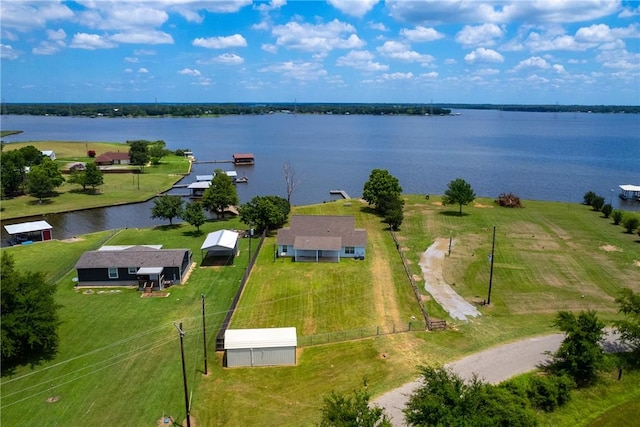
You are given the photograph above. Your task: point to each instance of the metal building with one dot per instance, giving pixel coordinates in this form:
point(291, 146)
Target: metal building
point(260, 347)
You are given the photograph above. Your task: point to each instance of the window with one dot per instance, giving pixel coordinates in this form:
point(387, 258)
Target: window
point(133, 270)
point(113, 272)
point(349, 250)
point(284, 249)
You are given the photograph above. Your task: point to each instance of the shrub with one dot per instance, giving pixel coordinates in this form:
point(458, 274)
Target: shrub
point(606, 210)
point(509, 200)
point(631, 223)
point(91, 153)
point(588, 197)
point(597, 202)
point(550, 391)
point(617, 217)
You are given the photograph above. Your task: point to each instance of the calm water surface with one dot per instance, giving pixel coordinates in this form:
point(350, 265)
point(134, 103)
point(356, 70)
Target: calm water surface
point(542, 156)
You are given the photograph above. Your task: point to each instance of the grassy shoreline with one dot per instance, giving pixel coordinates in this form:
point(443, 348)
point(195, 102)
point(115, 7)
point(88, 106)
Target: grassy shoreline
point(118, 188)
point(119, 359)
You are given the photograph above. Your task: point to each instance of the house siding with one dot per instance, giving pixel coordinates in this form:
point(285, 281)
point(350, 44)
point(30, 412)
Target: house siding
point(269, 356)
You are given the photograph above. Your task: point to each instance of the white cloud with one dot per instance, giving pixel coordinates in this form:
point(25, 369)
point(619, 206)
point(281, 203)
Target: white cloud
point(421, 34)
point(303, 71)
point(360, 60)
point(272, 5)
point(431, 75)
point(271, 48)
point(229, 59)
point(533, 12)
point(91, 42)
point(132, 60)
point(143, 37)
point(559, 69)
point(224, 42)
point(143, 70)
point(317, 38)
point(542, 42)
point(56, 35)
point(190, 72)
point(357, 8)
point(533, 62)
point(487, 72)
point(144, 52)
point(479, 35)
point(23, 16)
point(128, 70)
point(8, 52)
point(123, 16)
point(450, 61)
point(397, 76)
point(397, 50)
point(53, 45)
point(483, 55)
point(379, 26)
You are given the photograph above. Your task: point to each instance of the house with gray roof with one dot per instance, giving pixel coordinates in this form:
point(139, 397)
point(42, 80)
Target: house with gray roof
point(322, 238)
point(146, 266)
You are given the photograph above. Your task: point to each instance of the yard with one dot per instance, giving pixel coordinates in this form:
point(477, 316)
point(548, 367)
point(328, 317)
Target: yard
point(119, 360)
point(118, 188)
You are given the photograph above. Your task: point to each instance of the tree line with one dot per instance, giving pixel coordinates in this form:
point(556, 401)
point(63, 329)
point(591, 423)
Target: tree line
point(214, 109)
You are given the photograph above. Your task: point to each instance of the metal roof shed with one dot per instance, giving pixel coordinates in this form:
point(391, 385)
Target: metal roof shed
point(29, 230)
point(260, 347)
point(220, 243)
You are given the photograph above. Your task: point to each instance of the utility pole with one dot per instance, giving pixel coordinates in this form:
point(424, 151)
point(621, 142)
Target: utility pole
point(493, 246)
point(204, 336)
point(184, 373)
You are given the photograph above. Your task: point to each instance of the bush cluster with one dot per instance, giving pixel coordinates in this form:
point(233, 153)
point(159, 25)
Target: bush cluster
point(509, 200)
point(629, 221)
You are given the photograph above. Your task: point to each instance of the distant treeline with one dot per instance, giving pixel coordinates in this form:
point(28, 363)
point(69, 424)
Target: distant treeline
point(199, 110)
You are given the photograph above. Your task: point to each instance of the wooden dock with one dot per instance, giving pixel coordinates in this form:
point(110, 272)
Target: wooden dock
point(341, 193)
point(213, 161)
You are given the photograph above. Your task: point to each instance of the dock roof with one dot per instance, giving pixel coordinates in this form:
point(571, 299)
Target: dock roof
point(27, 227)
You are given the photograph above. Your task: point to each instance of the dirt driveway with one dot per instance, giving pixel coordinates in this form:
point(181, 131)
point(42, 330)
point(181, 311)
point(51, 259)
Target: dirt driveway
point(431, 265)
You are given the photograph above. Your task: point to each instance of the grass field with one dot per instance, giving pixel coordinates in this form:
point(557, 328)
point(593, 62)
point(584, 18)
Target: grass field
point(119, 360)
point(118, 188)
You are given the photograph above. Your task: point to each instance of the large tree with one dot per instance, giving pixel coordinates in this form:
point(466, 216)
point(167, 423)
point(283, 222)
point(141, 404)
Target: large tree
point(194, 214)
point(580, 355)
point(12, 172)
point(138, 153)
point(391, 208)
point(90, 177)
point(157, 151)
point(381, 184)
point(167, 207)
point(629, 326)
point(40, 183)
point(265, 212)
point(459, 192)
point(29, 324)
point(221, 194)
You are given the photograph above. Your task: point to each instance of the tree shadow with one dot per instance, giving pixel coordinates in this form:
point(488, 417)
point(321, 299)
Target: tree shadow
point(217, 261)
point(39, 202)
point(453, 213)
point(167, 227)
point(193, 233)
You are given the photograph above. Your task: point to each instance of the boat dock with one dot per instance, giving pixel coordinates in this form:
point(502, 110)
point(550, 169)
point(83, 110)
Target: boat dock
point(212, 161)
point(341, 193)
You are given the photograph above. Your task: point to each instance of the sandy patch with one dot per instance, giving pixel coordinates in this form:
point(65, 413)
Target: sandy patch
point(637, 263)
point(72, 240)
point(610, 248)
point(431, 263)
point(481, 206)
point(437, 203)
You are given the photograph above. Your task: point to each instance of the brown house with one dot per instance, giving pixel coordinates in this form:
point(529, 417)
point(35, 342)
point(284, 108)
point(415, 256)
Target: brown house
point(112, 158)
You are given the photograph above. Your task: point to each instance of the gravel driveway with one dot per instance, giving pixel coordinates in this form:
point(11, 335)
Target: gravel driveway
point(493, 365)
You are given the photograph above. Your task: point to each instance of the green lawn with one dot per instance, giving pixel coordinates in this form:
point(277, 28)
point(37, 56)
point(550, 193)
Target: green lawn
point(118, 188)
point(119, 360)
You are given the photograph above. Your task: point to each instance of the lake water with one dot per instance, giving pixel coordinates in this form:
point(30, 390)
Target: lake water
point(543, 156)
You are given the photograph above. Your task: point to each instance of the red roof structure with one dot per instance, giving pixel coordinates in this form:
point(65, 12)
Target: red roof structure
point(112, 158)
point(243, 159)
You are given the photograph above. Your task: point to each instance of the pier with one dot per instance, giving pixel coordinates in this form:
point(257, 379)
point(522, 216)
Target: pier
point(341, 193)
point(212, 161)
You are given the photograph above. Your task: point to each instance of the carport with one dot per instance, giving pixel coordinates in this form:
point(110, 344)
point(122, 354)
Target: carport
point(221, 243)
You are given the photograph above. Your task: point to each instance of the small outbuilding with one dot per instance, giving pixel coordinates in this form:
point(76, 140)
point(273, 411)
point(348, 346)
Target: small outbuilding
point(29, 232)
point(244, 159)
point(260, 347)
point(221, 243)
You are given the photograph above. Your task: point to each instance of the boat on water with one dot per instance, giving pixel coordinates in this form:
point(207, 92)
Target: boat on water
point(241, 180)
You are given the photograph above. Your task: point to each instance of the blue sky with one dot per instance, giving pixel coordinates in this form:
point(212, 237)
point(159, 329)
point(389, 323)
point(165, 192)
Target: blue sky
point(445, 51)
